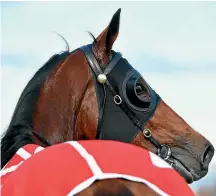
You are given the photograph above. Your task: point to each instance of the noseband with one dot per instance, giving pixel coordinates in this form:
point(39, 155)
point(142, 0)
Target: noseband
point(134, 116)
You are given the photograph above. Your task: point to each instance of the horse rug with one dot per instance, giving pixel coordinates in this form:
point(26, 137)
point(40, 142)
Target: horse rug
point(69, 168)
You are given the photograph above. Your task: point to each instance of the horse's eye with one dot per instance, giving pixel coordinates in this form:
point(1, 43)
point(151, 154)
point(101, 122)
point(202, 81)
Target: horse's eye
point(140, 89)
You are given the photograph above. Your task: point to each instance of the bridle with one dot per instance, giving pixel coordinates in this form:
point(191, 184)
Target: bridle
point(163, 150)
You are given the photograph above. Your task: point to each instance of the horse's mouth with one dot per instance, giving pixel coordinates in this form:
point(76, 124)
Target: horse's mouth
point(183, 170)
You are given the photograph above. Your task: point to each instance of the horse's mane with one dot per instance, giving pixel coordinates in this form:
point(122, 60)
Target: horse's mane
point(19, 131)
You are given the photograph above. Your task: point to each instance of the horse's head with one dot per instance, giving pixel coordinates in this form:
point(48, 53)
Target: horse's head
point(96, 94)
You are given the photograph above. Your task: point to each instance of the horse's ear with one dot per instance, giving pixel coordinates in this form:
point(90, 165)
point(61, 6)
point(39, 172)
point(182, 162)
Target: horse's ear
point(104, 42)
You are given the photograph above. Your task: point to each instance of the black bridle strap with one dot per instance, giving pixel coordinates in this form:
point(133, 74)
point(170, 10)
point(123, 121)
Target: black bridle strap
point(92, 60)
point(155, 142)
point(100, 118)
point(96, 68)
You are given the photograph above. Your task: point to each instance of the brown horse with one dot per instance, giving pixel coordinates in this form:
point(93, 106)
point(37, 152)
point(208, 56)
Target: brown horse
point(94, 93)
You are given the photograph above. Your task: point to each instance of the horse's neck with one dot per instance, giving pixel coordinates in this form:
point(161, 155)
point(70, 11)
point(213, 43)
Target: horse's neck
point(59, 100)
point(116, 187)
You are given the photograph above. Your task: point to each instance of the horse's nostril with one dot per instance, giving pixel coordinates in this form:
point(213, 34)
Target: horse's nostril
point(207, 157)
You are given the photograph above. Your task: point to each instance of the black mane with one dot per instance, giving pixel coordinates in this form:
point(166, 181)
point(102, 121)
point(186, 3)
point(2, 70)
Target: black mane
point(19, 132)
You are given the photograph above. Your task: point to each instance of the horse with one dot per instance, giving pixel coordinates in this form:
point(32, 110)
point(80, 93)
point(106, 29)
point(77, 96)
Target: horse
point(93, 93)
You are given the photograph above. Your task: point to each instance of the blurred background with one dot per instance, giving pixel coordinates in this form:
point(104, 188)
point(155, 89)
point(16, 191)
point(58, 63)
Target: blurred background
point(173, 44)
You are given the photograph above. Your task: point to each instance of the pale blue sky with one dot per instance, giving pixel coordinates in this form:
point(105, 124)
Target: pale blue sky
point(173, 35)
point(172, 43)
